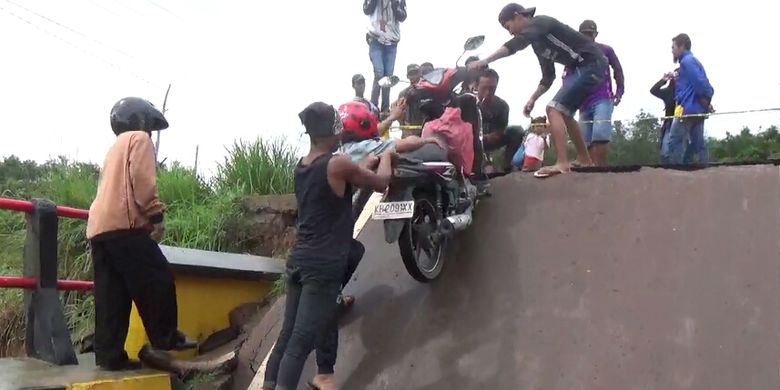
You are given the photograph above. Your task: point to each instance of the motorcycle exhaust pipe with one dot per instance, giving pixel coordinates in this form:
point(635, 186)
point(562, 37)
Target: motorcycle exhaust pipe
point(456, 223)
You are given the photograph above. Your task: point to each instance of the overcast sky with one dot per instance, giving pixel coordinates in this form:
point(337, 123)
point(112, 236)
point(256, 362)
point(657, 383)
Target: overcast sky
point(242, 69)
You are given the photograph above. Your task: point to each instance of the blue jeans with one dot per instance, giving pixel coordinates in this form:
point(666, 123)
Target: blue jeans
point(599, 112)
point(383, 59)
point(309, 313)
point(577, 86)
point(683, 141)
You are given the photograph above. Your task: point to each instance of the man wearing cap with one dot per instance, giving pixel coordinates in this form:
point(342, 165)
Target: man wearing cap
point(554, 42)
point(318, 260)
point(359, 85)
point(596, 111)
point(413, 116)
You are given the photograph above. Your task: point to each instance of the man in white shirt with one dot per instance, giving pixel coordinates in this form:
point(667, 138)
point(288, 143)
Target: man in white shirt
point(383, 35)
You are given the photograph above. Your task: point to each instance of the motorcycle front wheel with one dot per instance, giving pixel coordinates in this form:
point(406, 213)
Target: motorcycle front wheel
point(421, 244)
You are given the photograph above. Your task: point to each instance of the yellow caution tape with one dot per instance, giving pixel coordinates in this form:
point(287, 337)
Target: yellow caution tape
point(676, 116)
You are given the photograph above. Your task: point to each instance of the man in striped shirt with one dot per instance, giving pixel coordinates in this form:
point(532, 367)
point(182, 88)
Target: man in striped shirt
point(554, 42)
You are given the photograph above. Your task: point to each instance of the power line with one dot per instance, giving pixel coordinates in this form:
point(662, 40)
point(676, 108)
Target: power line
point(164, 9)
point(44, 17)
point(55, 36)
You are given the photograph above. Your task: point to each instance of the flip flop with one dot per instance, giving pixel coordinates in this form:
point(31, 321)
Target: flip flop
point(544, 175)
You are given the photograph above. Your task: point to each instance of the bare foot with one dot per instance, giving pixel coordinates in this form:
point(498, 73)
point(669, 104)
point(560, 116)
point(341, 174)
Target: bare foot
point(347, 301)
point(585, 161)
point(324, 382)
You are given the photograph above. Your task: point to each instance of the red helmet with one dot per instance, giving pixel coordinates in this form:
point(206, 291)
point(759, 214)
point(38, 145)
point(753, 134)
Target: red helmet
point(359, 122)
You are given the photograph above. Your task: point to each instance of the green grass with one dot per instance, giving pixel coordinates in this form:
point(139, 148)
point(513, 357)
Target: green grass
point(258, 167)
point(199, 213)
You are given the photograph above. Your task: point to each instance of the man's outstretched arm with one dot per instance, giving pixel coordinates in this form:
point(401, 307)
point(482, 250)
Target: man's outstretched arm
point(548, 76)
point(344, 170)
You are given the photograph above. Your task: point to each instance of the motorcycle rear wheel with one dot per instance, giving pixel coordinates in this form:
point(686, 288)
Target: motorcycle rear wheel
point(423, 265)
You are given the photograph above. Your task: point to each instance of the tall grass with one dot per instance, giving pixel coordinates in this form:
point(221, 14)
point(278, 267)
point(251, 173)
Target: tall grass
point(258, 167)
point(199, 213)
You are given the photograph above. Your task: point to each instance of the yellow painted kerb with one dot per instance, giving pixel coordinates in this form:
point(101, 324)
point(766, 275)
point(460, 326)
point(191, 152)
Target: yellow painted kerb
point(204, 304)
point(142, 382)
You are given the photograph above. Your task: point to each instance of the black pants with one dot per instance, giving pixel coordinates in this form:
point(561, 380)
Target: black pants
point(511, 140)
point(309, 312)
point(327, 350)
point(131, 268)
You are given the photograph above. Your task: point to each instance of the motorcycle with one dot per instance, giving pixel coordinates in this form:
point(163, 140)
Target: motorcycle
point(428, 202)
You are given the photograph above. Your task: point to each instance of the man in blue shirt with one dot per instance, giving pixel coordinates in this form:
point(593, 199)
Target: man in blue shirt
point(693, 94)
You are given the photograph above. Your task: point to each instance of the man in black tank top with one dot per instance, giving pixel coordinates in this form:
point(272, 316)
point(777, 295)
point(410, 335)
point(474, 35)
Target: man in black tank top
point(318, 261)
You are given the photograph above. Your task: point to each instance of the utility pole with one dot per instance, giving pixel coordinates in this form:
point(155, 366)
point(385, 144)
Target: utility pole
point(195, 169)
point(157, 143)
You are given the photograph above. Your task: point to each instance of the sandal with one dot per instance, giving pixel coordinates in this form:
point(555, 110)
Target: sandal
point(549, 172)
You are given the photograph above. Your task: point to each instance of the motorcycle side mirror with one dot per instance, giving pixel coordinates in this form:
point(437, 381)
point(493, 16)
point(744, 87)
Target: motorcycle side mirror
point(389, 81)
point(474, 43)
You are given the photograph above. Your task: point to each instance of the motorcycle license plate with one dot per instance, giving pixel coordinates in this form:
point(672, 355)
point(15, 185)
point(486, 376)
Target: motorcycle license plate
point(394, 210)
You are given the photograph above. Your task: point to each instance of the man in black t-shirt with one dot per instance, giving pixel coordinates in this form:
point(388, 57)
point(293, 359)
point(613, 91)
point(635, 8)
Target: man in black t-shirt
point(554, 42)
point(495, 119)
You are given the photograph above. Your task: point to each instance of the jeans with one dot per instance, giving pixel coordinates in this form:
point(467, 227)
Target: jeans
point(131, 268)
point(383, 59)
point(327, 350)
point(683, 141)
point(309, 311)
point(664, 132)
point(599, 118)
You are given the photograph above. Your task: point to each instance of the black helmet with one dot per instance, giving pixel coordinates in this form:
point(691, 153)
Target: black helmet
point(132, 113)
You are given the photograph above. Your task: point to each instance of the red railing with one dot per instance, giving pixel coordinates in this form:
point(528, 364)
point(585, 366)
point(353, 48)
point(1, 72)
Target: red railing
point(31, 283)
point(28, 207)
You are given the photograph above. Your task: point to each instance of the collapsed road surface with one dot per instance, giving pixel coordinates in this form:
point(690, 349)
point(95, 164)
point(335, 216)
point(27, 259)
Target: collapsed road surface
point(657, 279)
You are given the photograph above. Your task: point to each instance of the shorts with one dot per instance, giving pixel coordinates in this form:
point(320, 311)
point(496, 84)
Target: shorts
point(578, 86)
point(596, 121)
point(530, 160)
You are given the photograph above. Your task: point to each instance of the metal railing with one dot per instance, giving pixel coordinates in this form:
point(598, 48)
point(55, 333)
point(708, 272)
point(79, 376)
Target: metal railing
point(46, 335)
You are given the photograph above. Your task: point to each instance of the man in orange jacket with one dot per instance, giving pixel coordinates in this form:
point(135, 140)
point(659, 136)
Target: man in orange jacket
point(125, 224)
